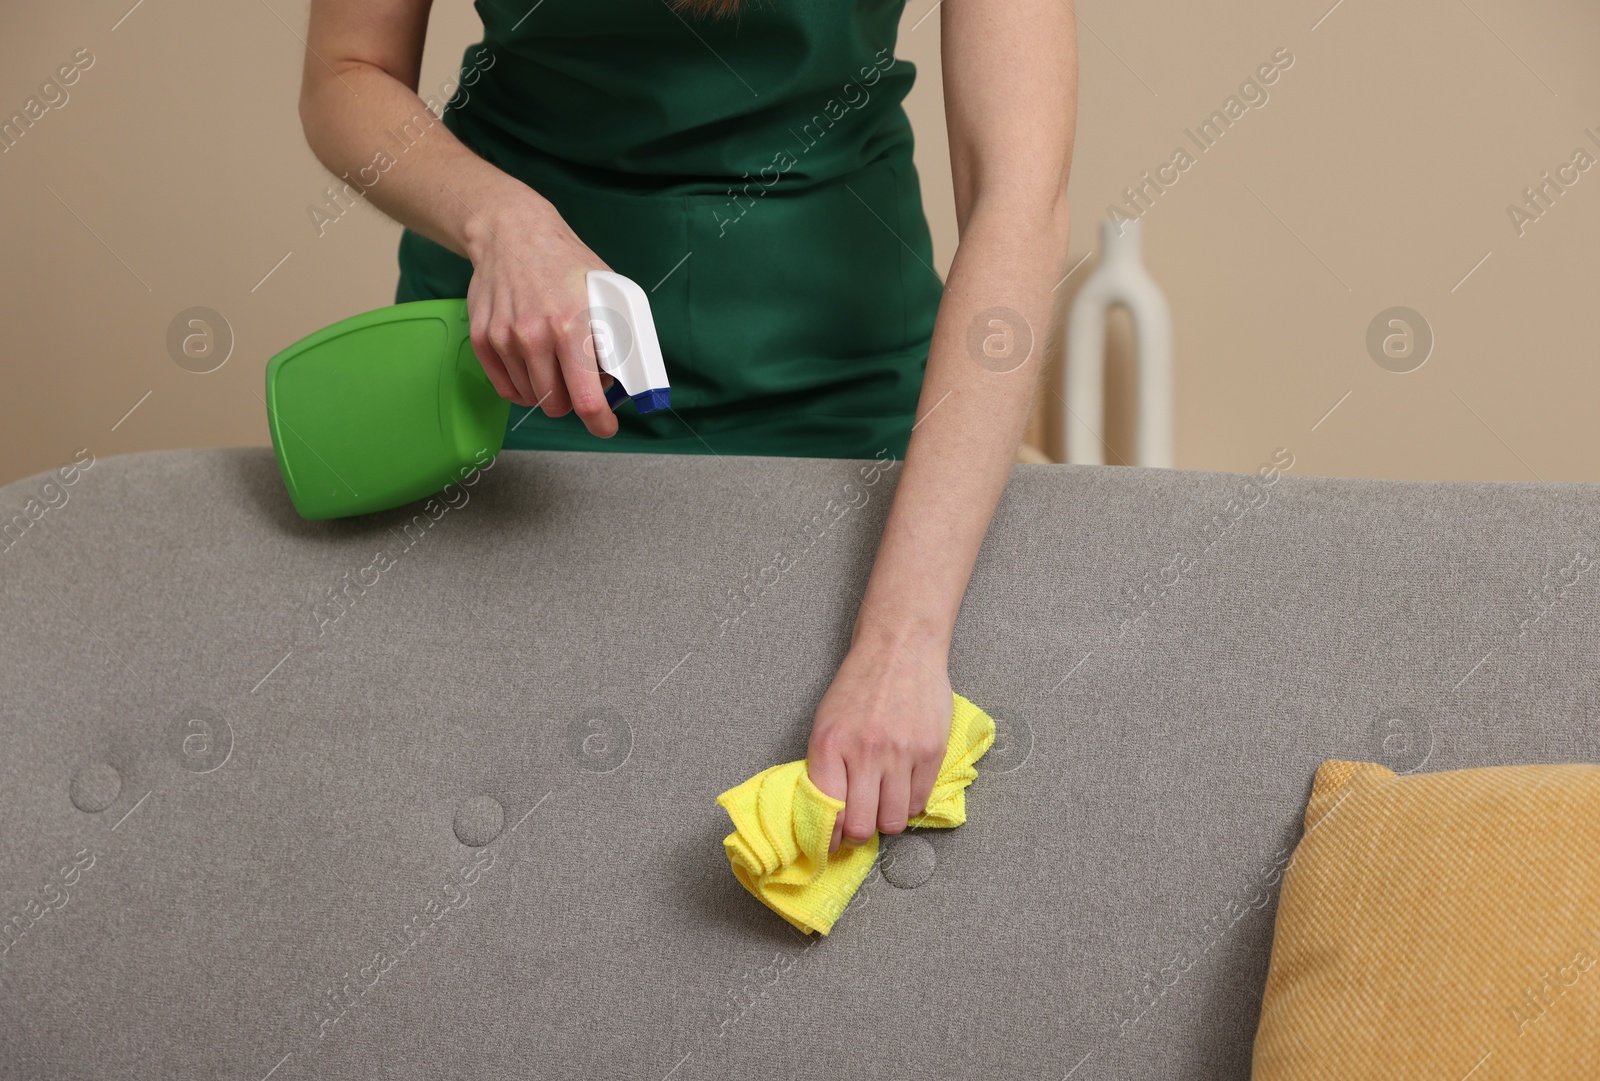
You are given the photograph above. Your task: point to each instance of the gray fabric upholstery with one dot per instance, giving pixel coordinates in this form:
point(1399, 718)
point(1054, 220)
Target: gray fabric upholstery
point(464, 825)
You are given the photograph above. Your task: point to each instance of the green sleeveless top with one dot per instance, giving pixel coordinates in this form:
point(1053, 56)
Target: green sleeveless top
point(754, 175)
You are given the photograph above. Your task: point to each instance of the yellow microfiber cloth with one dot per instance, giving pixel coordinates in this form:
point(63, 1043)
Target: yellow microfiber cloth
point(782, 824)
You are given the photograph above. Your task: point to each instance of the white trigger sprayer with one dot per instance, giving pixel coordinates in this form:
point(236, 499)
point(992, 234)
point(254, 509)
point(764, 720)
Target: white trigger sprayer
point(625, 342)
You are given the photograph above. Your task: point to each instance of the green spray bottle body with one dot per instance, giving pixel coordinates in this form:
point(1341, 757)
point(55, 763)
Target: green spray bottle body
point(382, 409)
point(386, 407)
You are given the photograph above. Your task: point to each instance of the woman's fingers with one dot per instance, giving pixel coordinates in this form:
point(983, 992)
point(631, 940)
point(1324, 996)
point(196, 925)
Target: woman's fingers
point(499, 376)
point(494, 365)
point(826, 769)
point(533, 364)
point(881, 792)
point(923, 776)
point(894, 798)
point(500, 334)
point(861, 805)
point(575, 352)
point(536, 342)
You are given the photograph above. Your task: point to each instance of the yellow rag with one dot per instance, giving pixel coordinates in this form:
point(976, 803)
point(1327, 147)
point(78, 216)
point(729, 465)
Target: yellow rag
point(782, 824)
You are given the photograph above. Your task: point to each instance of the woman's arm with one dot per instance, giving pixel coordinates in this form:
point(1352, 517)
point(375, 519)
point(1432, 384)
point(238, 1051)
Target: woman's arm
point(528, 301)
point(1010, 79)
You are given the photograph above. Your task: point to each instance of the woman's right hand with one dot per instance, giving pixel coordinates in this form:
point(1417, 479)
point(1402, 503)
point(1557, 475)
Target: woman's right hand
point(527, 302)
point(528, 305)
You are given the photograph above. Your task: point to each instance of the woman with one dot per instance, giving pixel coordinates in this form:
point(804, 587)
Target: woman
point(749, 164)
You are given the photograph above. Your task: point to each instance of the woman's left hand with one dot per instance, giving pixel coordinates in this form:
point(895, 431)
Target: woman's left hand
point(880, 735)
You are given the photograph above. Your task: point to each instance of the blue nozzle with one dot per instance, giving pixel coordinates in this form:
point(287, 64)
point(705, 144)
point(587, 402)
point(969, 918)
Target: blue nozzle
point(646, 402)
point(652, 400)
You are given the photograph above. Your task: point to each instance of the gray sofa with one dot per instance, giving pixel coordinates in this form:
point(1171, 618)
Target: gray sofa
point(430, 794)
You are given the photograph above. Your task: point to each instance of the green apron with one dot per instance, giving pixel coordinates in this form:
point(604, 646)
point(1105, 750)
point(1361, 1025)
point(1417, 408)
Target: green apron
point(754, 175)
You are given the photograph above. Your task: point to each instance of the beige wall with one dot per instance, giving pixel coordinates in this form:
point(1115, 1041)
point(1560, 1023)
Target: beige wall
point(1377, 174)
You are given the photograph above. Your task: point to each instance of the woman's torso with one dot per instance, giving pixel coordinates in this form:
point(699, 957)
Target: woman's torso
point(754, 175)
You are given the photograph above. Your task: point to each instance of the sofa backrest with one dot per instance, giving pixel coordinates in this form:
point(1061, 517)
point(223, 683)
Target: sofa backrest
point(431, 793)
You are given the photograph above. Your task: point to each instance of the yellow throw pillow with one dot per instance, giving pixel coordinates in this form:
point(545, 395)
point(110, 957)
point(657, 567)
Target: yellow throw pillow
point(1442, 926)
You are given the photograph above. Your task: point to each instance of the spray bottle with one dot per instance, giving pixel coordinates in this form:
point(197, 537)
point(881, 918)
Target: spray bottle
point(389, 406)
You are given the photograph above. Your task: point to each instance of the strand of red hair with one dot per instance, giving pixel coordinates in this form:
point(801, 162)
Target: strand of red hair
point(707, 8)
